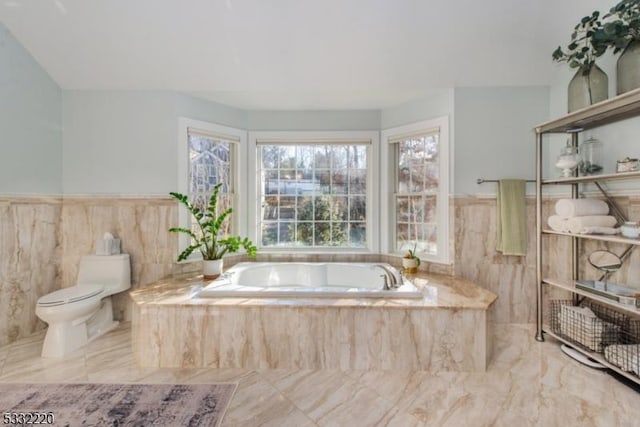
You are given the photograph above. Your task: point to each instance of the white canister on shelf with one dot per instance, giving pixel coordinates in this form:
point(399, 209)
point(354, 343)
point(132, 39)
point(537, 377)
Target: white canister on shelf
point(630, 229)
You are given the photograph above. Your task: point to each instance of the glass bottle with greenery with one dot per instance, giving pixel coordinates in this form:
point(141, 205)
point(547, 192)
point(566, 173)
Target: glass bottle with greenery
point(590, 84)
point(621, 32)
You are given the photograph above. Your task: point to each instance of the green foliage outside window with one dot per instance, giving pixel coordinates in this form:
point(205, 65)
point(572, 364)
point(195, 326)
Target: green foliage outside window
point(325, 221)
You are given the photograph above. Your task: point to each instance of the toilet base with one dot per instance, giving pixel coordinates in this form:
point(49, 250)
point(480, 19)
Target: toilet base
point(64, 338)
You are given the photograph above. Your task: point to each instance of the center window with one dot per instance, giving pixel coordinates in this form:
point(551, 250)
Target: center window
point(313, 194)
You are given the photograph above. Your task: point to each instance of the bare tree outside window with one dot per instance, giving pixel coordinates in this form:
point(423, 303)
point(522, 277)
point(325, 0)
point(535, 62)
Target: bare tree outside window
point(417, 193)
point(209, 164)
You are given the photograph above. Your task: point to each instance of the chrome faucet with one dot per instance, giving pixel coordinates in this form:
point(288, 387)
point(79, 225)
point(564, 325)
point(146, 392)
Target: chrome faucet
point(391, 278)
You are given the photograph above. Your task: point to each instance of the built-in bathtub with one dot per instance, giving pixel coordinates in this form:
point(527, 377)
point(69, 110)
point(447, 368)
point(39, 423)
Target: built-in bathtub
point(448, 328)
point(311, 280)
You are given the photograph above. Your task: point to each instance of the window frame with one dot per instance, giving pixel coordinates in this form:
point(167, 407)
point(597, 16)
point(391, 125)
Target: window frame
point(388, 184)
point(240, 196)
point(305, 138)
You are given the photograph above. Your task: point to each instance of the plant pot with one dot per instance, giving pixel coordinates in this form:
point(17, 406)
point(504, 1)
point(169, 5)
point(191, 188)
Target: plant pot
point(627, 72)
point(211, 268)
point(586, 88)
point(410, 265)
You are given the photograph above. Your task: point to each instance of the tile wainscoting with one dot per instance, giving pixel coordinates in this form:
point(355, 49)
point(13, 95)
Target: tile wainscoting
point(513, 278)
point(142, 225)
point(30, 252)
point(43, 238)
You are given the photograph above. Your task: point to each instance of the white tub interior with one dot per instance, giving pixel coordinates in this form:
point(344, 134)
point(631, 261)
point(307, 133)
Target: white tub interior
point(307, 279)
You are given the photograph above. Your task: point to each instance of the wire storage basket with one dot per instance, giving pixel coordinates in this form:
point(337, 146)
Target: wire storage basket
point(589, 325)
point(626, 353)
point(608, 314)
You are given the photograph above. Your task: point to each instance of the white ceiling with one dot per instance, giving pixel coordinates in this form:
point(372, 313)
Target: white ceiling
point(295, 54)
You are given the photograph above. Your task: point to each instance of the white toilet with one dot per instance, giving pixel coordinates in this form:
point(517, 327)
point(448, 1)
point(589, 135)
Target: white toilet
point(83, 312)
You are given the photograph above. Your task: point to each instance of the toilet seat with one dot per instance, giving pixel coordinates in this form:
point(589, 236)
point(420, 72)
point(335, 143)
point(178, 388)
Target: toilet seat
point(70, 295)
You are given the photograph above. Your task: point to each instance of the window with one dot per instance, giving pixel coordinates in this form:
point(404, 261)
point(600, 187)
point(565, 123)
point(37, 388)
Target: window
point(209, 165)
point(208, 156)
point(314, 194)
point(418, 189)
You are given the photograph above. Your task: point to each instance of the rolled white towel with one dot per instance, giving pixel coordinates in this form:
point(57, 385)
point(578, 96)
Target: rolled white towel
point(568, 208)
point(557, 223)
point(580, 324)
point(578, 223)
point(598, 230)
point(625, 356)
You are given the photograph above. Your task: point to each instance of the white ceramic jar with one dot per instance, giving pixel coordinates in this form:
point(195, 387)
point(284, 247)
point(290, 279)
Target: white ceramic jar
point(630, 229)
point(568, 160)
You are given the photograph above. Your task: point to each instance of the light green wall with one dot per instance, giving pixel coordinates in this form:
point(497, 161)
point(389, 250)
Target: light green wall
point(125, 142)
point(119, 142)
point(313, 120)
point(439, 104)
point(30, 123)
point(491, 131)
point(209, 111)
point(494, 135)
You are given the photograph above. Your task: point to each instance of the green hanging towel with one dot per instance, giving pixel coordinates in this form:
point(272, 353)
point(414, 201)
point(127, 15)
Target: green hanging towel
point(511, 223)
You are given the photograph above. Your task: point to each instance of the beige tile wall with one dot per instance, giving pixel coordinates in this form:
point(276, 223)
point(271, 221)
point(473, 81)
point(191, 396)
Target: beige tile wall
point(142, 225)
point(30, 253)
point(511, 278)
point(43, 238)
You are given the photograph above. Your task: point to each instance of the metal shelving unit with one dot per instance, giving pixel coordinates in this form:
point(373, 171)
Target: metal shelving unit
point(572, 288)
point(604, 238)
point(609, 111)
point(593, 178)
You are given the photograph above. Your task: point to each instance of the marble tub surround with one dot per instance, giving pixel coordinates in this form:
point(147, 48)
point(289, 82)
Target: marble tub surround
point(141, 223)
point(447, 330)
point(30, 251)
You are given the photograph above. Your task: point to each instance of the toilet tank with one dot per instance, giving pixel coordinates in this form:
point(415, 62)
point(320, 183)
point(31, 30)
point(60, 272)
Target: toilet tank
point(111, 271)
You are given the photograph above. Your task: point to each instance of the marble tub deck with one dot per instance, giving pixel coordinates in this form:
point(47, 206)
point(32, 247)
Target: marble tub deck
point(446, 330)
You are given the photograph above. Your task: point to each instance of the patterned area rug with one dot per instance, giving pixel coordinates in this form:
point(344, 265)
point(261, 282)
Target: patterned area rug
point(115, 404)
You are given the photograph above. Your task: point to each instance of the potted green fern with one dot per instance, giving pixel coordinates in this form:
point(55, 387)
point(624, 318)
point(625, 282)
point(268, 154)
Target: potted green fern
point(207, 237)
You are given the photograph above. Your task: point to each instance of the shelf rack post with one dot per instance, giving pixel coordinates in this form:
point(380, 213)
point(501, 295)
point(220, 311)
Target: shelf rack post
point(575, 250)
point(539, 336)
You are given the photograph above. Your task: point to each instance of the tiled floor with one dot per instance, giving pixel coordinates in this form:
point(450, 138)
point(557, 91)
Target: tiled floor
point(527, 384)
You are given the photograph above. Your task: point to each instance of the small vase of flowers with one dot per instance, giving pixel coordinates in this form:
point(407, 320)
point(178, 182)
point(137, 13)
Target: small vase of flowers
point(411, 261)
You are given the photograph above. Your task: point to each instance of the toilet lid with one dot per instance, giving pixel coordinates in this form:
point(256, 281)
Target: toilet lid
point(69, 295)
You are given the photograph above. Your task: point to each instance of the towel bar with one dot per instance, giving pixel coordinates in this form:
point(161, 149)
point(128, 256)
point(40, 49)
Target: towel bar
point(482, 180)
